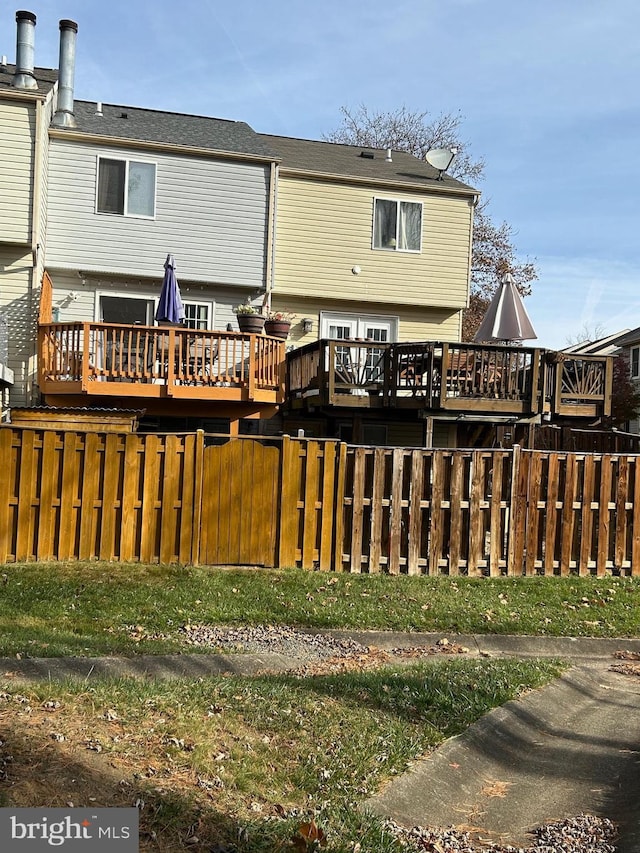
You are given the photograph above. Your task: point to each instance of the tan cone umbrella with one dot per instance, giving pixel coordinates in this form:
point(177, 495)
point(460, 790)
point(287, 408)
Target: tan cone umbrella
point(506, 318)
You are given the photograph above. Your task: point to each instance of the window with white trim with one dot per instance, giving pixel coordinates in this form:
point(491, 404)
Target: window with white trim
point(198, 315)
point(126, 187)
point(634, 362)
point(397, 225)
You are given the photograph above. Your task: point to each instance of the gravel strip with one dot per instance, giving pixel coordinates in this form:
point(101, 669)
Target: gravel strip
point(268, 638)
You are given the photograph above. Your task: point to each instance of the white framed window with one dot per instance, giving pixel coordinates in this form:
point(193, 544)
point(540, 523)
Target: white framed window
point(397, 225)
point(126, 187)
point(114, 307)
point(198, 315)
point(634, 362)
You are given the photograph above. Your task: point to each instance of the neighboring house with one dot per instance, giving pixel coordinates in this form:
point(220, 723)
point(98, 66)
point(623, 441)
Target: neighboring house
point(26, 106)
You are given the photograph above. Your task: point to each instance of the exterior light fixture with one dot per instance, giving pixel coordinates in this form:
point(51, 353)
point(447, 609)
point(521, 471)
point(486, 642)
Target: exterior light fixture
point(307, 325)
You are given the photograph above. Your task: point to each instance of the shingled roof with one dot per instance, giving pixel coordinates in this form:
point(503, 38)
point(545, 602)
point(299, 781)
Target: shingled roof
point(356, 161)
point(45, 78)
point(188, 131)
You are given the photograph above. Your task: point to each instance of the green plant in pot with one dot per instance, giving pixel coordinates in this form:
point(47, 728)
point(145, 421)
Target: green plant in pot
point(278, 324)
point(250, 319)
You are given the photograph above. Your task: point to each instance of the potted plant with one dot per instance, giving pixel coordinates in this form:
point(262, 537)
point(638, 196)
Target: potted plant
point(250, 319)
point(278, 324)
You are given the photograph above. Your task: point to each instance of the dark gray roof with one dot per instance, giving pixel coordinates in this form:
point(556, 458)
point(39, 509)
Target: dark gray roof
point(45, 78)
point(134, 123)
point(332, 158)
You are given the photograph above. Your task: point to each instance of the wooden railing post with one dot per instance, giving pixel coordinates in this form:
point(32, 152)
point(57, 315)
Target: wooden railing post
point(253, 343)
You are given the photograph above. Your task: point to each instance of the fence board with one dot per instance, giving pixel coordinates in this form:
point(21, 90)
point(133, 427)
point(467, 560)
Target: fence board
point(49, 497)
point(436, 531)
point(635, 536)
point(357, 509)
point(588, 498)
point(150, 499)
point(415, 512)
point(568, 514)
point(604, 514)
point(7, 496)
point(496, 537)
point(288, 532)
point(339, 504)
point(551, 515)
point(377, 514)
point(476, 512)
point(455, 514)
point(622, 485)
point(328, 505)
point(310, 512)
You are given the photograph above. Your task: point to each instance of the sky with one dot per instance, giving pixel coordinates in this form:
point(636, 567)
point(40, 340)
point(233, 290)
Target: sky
point(547, 91)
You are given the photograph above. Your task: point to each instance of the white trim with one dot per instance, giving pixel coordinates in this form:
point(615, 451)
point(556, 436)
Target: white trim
point(118, 294)
point(127, 161)
point(395, 248)
point(209, 304)
point(348, 318)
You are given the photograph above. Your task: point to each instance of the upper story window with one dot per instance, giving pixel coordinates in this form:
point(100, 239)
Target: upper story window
point(397, 225)
point(634, 364)
point(126, 187)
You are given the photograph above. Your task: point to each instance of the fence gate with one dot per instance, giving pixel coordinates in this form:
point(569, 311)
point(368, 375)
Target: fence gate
point(240, 504)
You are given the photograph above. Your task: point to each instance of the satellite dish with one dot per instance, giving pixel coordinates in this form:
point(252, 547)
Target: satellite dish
point(440, 158)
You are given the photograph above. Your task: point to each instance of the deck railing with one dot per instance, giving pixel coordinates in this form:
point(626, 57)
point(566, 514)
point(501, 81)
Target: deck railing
point(463, 377)
point(107, 358)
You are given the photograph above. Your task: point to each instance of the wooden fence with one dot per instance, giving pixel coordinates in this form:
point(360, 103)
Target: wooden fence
point(316, 505)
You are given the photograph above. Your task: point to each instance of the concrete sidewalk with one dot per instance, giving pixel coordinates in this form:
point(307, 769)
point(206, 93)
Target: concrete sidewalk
point(570, 747)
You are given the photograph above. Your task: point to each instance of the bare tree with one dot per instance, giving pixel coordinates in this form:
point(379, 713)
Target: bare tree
point(417, 132)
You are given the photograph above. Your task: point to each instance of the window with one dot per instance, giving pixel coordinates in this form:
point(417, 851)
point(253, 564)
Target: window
point(198, 315)
point(126, 187)
point(129, 310)
point(397, 225)
point(634, 360)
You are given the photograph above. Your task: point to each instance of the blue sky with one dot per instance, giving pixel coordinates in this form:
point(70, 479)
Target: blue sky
point(548, 92)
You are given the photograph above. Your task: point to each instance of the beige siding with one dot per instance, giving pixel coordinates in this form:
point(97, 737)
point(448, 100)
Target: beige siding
point(414, 323)
point(325, 229)
point(17, 121)
point(18, 310)
point(210, 214)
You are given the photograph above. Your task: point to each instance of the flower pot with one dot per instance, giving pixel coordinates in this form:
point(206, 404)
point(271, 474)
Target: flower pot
point(277, 328)
point(251, 324)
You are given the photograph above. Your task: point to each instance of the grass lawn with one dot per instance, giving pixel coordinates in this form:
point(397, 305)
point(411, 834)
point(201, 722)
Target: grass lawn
point(231, 764)
point(104, 608)
point(236, 765)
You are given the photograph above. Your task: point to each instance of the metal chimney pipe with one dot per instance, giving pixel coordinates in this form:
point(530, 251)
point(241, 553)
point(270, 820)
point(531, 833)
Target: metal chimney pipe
point(64, 116)
point(25, 51)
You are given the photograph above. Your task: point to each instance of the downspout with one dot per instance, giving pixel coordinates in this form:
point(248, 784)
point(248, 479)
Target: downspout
point(271, 235)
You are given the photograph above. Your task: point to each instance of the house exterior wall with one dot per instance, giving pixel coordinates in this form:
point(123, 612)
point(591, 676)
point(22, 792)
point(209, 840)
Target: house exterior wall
point(18, 313)
point(415, 323)
point(324, 229)
point(212, 215)
point(17, 143)
point(75, 299)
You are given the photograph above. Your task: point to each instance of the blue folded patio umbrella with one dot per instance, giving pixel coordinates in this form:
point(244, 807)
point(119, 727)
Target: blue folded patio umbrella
point(170, 308)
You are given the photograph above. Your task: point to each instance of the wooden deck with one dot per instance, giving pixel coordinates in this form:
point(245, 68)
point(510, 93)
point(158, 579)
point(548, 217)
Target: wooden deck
point(448, 377)
point(154, 366)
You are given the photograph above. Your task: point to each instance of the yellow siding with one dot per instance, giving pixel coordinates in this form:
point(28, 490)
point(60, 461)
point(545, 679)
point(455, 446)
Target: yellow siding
point(325, 229)
point(16, 171)
point(414, 323)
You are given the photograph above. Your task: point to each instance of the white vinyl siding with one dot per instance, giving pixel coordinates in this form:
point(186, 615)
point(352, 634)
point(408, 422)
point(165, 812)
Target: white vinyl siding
point(212, 215)
point(324, 232)
point(16, 171)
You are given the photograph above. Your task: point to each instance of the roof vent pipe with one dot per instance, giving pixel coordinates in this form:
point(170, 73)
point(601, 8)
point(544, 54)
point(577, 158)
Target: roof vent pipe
point(64, 116)
point(25, 51)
